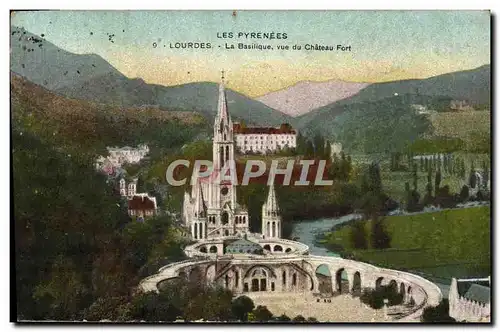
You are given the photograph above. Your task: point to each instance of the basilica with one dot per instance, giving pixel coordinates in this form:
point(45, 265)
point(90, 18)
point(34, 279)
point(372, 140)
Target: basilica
point(211, 210)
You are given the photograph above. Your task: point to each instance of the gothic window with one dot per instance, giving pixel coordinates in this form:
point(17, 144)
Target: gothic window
point(255, 285)
point(263, 285)
point(227, 153)
point(226, 232)
point(225, 218)
point(237, 277)
point(221, 156)
point(284, 278)
point(294, 279)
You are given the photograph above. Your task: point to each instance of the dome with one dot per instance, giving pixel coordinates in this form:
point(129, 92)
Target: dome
point(244, 246)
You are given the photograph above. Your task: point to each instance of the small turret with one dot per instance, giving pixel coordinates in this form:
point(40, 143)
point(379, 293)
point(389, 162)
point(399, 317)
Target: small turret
point(271, 218)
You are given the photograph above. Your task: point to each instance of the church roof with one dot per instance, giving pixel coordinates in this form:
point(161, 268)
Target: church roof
point(142, 202)
point(283, 129)
point(474, 291)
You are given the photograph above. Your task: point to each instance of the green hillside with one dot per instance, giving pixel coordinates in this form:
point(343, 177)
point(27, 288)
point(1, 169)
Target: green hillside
point(371, 127)
point(381, 117)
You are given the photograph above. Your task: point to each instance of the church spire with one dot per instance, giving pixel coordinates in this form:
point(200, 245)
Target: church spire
point(272, 203)
point(271, 219)
point(222, 113)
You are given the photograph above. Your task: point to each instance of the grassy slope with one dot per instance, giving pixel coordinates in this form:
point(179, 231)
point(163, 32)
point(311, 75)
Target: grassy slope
point(446, 243)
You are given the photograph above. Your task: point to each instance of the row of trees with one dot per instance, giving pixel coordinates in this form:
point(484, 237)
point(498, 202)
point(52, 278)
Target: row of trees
point(442, 196)
point(447, 163)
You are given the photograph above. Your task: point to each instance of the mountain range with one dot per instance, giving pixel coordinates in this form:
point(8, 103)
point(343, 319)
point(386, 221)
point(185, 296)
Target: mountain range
point(331, 108)
point(305, 96)
point(90, 77)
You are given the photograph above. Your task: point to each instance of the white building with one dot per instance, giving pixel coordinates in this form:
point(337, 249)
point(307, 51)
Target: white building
point(211, 210)
point(264, 139)
point(128, 190)
point(336, 149)
point(126, 154)
point(469, 300)
point(119, 156)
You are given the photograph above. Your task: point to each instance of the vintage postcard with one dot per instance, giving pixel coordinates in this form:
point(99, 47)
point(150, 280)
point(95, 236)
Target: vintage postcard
point(251, 166)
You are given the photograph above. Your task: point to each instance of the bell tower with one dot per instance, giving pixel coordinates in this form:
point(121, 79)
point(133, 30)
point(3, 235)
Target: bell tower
point(223, 193)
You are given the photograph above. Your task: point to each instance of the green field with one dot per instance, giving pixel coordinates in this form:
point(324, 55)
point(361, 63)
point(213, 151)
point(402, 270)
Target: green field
point(442, 244)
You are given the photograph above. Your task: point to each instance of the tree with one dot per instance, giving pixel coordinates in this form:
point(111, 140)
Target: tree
point(415, 178)
point(309, 149)
point(372, 298)
point(348, 168)
point(241, 307)
point(422, 165)
point(428, 198)
point(437, 181)
point(464, 193)
point(371, 181)
point(312, 320)
point(472, 179)
point(380, 238)
point(437, 314)
point(413, 200)
point(485, 174)
point(283, 318)
point(358, 236)
point(154, 307)
point(328, 150)
point(299, 318)
point(106, 308)
point(319, 146)
point(262, 314)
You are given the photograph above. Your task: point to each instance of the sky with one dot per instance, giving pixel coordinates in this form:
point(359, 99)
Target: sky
point(385, 45)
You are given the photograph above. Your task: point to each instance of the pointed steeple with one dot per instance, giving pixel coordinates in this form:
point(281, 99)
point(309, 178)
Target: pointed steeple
point(222, 113)
point(272, 203)
point(271, 219)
